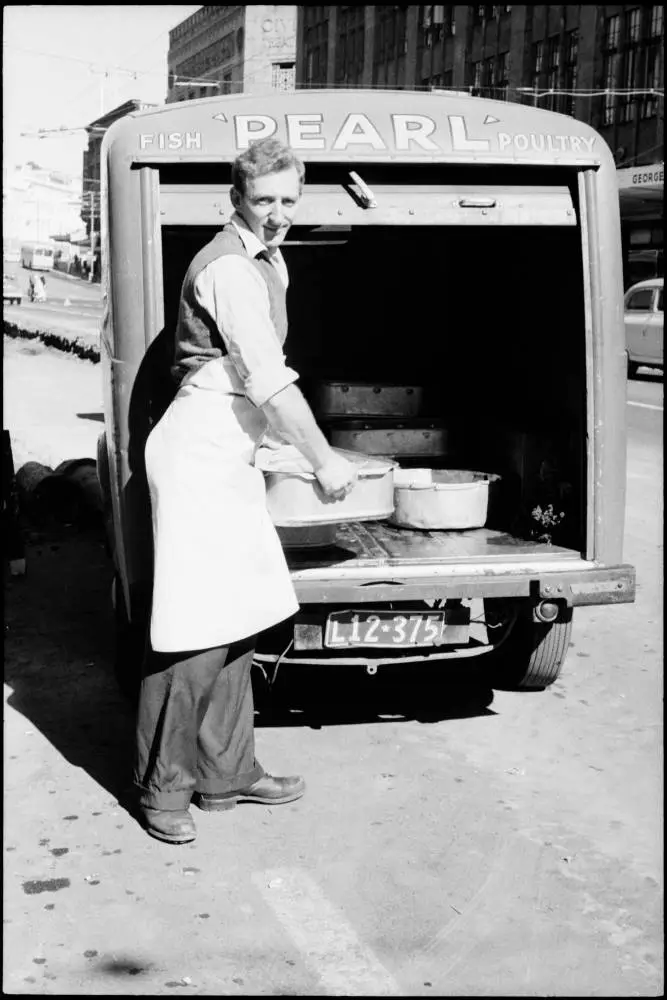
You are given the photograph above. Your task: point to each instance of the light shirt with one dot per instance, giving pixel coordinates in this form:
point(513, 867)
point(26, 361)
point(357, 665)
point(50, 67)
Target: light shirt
point(233, 292)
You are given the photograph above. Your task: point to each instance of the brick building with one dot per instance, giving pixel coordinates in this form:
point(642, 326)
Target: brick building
point(230, 50)
point(552, 57)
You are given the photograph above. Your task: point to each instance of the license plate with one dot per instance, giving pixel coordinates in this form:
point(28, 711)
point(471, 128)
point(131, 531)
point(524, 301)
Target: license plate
point(384, 628)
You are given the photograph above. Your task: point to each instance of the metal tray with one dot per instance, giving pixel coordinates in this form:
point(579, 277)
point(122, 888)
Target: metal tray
point(410, 439)
point(333, 399)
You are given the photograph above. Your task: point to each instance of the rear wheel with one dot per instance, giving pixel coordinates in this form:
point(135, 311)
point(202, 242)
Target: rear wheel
point(633, 368)
point(532, 655)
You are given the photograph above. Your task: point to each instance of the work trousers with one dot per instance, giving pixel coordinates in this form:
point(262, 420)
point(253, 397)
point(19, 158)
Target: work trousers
point(195, 725)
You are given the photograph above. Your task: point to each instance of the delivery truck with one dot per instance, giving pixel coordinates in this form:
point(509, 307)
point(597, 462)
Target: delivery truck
point(455, 304)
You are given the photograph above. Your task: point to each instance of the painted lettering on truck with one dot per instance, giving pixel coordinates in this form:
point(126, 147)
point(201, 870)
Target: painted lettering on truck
point(409, 132)
point(306, 132)
point(170, 140)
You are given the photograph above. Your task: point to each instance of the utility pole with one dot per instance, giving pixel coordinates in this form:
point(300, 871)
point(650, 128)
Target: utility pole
point(103, 75)
point(93, 196)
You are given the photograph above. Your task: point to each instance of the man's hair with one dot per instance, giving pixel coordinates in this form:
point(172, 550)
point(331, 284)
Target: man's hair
point(266, 156)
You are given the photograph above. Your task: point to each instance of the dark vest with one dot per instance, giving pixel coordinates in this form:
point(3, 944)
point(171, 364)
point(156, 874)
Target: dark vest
point(198, 339)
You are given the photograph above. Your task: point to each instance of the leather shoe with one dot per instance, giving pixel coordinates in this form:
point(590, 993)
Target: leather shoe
point(173, 826)
point(267, 790)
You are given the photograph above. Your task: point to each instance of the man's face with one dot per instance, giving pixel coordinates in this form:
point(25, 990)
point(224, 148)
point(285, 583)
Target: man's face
point(269, 204)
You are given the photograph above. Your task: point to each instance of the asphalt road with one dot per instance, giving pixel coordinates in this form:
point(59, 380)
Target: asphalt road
point(73, 307)
point(452, 841)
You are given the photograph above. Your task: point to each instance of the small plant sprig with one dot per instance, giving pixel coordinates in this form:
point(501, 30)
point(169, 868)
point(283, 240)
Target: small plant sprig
point(547, 519)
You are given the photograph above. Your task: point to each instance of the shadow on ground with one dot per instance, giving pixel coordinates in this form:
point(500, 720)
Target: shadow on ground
point(59, 664)
point(318, 696)
point(59, 651)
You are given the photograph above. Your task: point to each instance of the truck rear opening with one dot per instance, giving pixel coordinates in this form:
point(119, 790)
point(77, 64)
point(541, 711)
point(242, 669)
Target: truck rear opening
point(488, 314)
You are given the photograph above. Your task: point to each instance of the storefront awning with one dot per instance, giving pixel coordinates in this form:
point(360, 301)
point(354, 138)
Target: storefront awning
point(641, 191)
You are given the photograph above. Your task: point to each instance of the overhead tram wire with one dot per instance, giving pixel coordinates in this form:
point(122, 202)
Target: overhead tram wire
point(572, 92)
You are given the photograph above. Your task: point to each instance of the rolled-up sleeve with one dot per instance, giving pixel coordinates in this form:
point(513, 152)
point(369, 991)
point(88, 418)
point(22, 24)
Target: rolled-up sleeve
point(236, 297)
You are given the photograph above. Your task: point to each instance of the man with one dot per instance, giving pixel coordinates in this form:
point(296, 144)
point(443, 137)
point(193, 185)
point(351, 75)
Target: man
point(220, 575)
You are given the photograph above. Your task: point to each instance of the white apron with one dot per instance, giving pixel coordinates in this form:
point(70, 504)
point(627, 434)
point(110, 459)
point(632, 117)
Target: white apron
point(220, 573)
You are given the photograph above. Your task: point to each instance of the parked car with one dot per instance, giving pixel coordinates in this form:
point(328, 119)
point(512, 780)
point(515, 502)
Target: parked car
point(644, 325)
point(10, 291)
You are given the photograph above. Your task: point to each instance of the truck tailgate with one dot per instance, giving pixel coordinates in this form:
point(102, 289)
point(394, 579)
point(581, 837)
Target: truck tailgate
point(374, 561)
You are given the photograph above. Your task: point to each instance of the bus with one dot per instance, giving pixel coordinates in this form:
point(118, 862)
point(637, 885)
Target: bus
point(37, 256)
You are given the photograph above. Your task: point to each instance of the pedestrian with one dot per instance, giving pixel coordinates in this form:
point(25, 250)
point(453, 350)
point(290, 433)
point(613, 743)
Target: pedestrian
point(220, 574)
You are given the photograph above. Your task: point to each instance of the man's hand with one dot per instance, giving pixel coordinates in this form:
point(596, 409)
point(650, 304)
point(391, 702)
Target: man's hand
point(337, 477)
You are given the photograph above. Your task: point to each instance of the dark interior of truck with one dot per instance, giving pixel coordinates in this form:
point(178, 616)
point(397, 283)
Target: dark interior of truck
point(490, 320)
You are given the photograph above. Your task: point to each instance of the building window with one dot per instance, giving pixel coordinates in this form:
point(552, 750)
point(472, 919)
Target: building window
point(553, 70)
point(537, 68)
point(350, 44)
point(435, 24)
point(282, 76)
point(627, 103)
point(316, 42)
point(214, 55)
point(652, 63)
point(570, 71)
point(656, 22)
point(483, 13)
point(611, 67)
point(477, 75)
point(390, 40)
point(501, 82)
point(488, 76)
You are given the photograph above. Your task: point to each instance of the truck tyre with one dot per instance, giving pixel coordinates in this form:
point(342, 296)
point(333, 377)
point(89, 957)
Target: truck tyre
point(532, 656)
point(130, 641)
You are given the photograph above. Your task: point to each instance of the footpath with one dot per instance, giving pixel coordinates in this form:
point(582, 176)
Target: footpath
point(48, 453)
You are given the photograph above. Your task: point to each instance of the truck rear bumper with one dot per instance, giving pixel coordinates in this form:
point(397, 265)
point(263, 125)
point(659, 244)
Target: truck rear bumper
point(574, 581)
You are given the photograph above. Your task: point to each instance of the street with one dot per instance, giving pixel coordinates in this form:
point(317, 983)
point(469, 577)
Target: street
point(452, 841)
point(73, 307)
